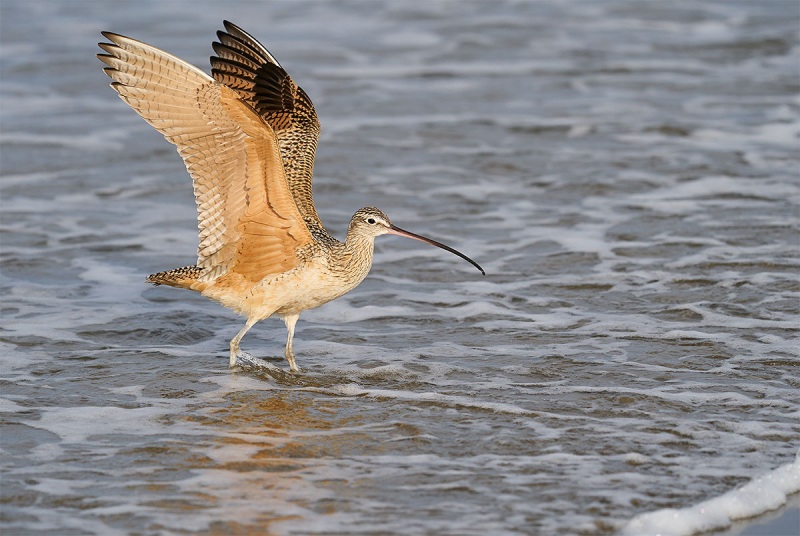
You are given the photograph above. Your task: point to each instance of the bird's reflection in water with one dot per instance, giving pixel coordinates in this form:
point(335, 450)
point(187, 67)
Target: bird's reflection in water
point(271, 448)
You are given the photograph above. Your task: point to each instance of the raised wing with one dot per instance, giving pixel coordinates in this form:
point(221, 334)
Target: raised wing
point(248, 220)
point(243, 64)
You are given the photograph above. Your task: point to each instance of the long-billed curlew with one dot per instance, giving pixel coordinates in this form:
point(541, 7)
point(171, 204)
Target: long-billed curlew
point(248, 136)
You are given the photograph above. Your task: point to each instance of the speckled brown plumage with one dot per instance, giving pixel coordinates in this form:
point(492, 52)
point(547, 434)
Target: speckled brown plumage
point(177, 277)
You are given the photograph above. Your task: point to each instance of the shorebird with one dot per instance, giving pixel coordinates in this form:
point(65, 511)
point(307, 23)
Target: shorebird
point(248, 135)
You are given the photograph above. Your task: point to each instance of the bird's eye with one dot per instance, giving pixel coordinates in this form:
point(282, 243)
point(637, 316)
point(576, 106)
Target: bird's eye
point(371, 221)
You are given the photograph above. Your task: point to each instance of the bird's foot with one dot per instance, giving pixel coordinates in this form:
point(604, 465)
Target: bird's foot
point(249, 362)
point(245, 360)
point(292, 364)
point(240, 359)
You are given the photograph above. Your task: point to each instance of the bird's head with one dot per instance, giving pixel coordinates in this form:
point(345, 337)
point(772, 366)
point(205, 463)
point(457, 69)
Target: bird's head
point(370, 222)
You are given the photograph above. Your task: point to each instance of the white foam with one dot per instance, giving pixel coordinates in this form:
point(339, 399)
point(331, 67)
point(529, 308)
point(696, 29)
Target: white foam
point(342, 311)
point(8, 406)
point(77, 424)
point(760, 495)
point(353, 389)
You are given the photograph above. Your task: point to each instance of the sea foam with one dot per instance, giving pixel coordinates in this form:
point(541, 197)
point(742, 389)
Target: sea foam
point(762, 494)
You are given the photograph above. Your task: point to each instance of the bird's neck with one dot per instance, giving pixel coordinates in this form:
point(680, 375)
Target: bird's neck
point(356, 254)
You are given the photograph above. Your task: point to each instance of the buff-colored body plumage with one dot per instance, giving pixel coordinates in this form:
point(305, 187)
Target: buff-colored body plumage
point(248, 136)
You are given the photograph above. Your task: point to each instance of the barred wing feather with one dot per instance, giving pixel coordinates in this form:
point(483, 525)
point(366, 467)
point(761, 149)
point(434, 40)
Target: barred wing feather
point(247, 217)
point(247, 67)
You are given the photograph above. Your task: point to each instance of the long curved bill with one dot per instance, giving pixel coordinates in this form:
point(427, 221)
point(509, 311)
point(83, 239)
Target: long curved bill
point(402, 232)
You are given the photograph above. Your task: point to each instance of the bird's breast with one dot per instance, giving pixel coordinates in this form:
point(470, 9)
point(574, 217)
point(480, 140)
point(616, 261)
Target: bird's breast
point(317, 283)
point(314, 282)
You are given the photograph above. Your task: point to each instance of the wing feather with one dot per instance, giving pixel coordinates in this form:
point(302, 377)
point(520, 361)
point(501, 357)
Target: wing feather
point(247, 67)
point(247, 217)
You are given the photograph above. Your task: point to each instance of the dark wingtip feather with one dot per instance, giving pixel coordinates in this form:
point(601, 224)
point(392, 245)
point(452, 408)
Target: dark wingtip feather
point(111, 36)
point(108, 47)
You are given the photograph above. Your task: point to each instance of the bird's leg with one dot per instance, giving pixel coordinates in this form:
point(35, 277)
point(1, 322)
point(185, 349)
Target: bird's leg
point(290, 321)
point(235, 341)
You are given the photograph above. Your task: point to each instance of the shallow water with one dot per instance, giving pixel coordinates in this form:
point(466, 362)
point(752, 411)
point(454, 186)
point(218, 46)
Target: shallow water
point(626, 174)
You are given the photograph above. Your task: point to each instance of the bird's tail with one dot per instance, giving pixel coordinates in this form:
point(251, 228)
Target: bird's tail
point(179, 277)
